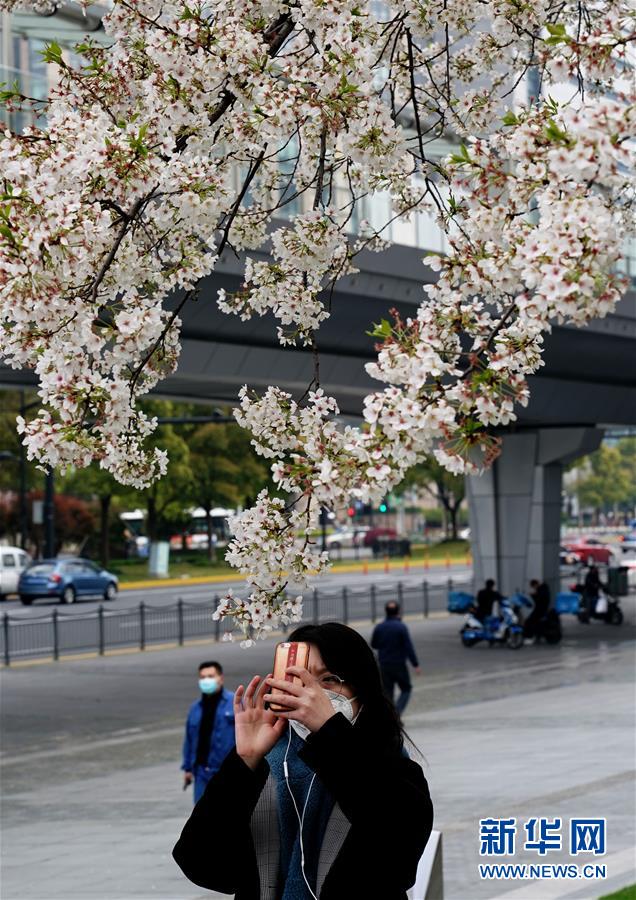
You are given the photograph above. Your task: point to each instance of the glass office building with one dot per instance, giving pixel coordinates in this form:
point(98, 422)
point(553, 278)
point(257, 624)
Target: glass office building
point(24, 36)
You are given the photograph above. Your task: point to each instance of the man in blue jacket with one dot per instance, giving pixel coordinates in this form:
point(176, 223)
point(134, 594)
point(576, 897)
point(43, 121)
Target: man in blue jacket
point(209, 730)
point(392, 640)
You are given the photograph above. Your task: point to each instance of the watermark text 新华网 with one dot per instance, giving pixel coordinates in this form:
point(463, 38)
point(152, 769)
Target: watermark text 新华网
point(543, 836)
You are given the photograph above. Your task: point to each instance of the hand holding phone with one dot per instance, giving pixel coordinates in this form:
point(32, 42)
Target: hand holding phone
point(288, 653)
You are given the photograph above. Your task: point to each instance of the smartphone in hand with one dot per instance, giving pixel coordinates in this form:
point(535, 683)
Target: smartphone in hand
point(288, 653)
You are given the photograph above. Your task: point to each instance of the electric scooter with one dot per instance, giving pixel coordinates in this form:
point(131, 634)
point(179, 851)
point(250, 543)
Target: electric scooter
point(502, 629)
point(609, 612)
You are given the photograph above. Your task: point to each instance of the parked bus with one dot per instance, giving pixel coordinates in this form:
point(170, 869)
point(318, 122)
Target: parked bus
point(194, 537)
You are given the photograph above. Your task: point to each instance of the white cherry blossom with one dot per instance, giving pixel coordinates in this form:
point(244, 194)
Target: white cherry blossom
point(199, 130)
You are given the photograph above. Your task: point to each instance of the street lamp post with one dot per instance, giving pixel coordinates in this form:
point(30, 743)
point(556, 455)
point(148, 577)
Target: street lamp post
point(324, 518)
point(49, 515)
point(24, 519)
point(23, 515)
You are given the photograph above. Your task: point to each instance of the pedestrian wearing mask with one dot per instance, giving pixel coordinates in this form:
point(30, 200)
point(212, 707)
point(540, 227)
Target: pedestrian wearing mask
point(209, 730)
point(321, 799)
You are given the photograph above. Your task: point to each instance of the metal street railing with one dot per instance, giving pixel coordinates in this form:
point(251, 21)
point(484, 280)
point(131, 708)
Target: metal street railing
point(60, 632)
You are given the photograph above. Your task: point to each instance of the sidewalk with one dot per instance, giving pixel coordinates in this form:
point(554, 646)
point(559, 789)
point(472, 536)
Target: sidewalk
point(93, 814)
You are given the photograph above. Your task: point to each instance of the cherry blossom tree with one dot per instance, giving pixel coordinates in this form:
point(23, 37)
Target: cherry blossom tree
point(198, 128)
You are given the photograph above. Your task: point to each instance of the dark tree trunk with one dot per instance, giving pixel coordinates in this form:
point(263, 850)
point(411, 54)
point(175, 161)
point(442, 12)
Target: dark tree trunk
point(453, 510)
point(450, 507)
point(443, 499)
point(445, 520)
point(104, 528)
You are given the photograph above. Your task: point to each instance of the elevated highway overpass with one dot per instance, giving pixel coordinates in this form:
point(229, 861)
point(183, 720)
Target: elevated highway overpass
point(588, 383)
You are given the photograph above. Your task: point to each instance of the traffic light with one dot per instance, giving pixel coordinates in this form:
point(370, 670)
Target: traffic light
point(351, 512)
point(383, 506)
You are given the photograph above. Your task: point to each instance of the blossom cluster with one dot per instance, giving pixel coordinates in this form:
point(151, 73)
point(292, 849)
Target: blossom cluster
point(311, 253)
point(267, 549)
point(200, 127)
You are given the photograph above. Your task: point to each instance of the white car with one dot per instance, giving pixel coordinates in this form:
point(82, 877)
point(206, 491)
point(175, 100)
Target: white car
point(13, 561)
point(345, 538)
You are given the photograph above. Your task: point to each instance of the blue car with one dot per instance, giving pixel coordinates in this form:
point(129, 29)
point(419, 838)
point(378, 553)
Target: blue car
point(65, 579)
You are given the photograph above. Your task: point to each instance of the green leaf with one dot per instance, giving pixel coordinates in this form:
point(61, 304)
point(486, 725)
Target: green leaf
point(137, 142)
point(554, 133)
point(463, 157)
point(381, 330)
point(558, 35)
point(52, 53)
point(551, 104)
point(510, 118)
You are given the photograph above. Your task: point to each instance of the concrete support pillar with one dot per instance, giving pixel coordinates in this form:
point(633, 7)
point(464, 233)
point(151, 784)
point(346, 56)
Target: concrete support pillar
point(515, 507)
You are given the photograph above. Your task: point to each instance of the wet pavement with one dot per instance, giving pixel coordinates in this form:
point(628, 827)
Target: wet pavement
point(91, 751)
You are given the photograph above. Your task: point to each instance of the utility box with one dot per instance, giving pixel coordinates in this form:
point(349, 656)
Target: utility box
point(159, 559)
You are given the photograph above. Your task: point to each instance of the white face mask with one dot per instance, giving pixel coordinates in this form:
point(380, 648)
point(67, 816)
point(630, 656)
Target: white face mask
point(340, 704)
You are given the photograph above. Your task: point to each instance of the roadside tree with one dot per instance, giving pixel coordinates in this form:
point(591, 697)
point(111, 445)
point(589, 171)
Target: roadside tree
point(447, 489)
point(225, 471)
point(168, 499)
point(95, 484)
point(605, 480)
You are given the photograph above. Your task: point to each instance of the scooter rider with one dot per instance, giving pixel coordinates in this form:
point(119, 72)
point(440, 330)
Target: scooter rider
point(486, 599)
point(591, 590)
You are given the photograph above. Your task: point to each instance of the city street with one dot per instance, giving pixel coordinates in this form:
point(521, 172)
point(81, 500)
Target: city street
point(137, 619)
point(91, 751)
point(199, 593)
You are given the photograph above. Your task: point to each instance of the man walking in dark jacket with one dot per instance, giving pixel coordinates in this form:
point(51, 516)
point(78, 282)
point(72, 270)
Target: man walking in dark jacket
point(540, 596)
point(392, 640)
point(209, 731)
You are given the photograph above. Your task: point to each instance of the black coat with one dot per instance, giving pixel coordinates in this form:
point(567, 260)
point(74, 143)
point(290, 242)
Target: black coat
point(382, 798)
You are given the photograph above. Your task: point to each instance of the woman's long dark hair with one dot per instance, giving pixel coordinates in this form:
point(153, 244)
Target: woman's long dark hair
point(346, 654)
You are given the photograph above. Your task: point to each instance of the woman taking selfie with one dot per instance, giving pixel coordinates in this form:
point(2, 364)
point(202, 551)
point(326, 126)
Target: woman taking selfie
point(331, 807)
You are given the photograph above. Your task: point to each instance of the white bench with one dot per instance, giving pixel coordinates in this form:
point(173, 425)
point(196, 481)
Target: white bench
point(429, 882)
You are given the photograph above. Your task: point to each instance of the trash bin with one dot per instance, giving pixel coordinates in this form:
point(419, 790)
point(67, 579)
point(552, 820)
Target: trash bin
point(617, 584)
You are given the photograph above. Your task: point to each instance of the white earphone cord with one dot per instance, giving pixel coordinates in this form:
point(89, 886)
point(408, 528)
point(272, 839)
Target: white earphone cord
point(301, 818)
